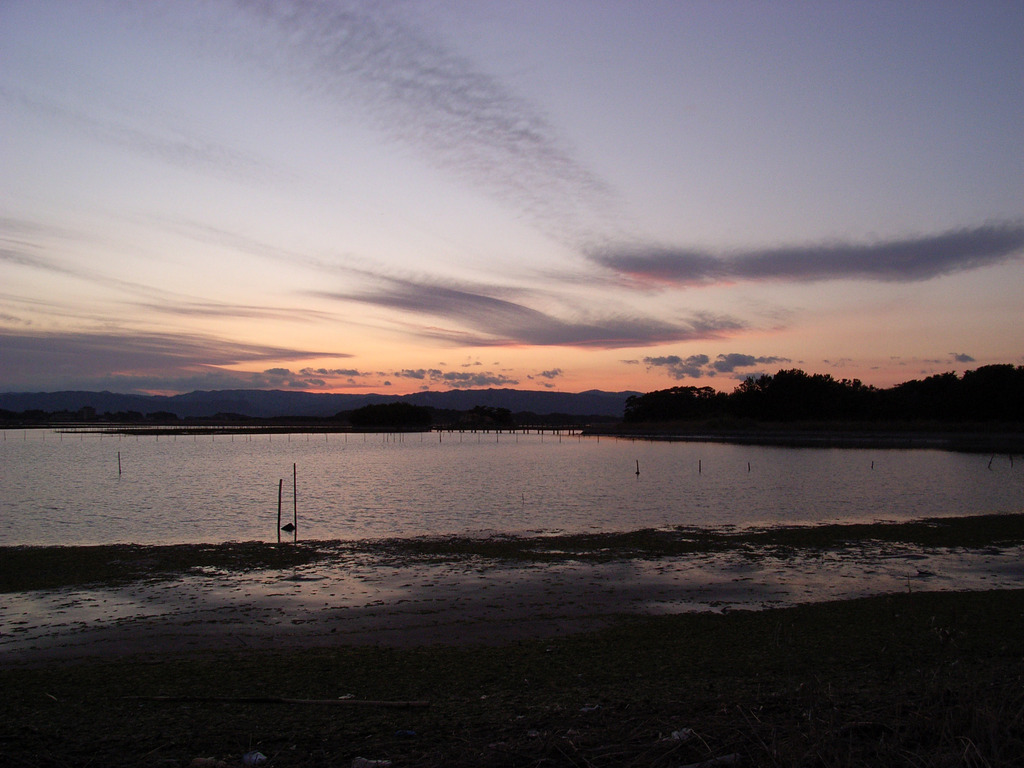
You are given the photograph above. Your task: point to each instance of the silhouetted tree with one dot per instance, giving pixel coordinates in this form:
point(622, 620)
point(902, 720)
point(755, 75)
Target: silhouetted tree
point(162, 417)
point(989, 393)
point(391, 416)
point(993, 392)
point(488, 416)
point(677, 403)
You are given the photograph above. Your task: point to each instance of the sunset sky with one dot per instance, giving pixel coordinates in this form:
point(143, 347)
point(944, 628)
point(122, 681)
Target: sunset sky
point(436, 194)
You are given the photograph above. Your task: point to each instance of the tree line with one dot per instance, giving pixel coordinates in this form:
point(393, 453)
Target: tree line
point(382, 416)
point(988, 394)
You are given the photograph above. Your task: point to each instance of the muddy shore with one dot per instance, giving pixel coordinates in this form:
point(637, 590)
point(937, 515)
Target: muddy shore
point(131, 600)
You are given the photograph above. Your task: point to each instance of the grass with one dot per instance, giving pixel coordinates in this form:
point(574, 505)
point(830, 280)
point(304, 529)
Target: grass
point(931, 679)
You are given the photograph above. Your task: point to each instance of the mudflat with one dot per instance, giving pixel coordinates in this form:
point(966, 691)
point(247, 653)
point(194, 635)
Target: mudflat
point(835, 645)
point(74, 602)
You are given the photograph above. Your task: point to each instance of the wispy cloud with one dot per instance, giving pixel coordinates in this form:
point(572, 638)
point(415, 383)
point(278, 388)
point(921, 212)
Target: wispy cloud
point(22, 242)
point(420, 92)
point(172, 145)
point(904, 260)
point(217, 309)
point(19, 258)
point(499, 322)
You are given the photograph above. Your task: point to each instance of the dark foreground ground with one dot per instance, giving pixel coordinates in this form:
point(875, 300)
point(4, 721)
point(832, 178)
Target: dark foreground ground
point(930, 679)
point(909, 678)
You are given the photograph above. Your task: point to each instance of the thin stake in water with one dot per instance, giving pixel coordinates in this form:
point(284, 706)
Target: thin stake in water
point(280, 487)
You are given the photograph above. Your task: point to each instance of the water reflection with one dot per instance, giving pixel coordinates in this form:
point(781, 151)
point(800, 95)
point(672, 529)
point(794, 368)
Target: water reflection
point(68, 490)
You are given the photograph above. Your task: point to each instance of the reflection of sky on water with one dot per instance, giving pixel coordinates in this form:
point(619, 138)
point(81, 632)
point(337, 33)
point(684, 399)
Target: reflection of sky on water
point(350, 597)
point(215, 488)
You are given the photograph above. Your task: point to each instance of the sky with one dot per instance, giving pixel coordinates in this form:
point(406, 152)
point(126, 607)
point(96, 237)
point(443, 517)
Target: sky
point(435, 194)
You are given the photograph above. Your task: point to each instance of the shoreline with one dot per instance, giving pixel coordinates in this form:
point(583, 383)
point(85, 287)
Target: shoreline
point(940, 437)
point(1005, 439)
point(406, 593)
point(848, 645)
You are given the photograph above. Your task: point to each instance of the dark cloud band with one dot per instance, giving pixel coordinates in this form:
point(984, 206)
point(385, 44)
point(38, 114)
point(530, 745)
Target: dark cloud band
point(499, 322)
point(906, 260)
point(45, 357)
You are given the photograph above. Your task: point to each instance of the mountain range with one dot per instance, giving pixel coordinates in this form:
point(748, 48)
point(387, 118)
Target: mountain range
point(270, 403)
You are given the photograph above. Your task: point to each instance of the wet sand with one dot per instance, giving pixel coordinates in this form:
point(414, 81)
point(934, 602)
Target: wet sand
point(363, 601)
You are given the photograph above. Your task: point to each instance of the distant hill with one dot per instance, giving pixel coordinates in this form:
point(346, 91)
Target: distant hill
point(270, 403)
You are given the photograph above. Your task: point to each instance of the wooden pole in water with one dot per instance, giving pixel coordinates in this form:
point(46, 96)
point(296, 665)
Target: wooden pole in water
point(295, 504)
point(118, 463)
point(280, 486)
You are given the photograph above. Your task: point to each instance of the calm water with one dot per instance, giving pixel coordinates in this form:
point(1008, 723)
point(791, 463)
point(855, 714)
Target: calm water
point(66, 489)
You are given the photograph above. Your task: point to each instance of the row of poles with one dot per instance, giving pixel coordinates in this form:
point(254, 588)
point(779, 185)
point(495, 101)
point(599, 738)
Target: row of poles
point(293, 527)
point(387, 437)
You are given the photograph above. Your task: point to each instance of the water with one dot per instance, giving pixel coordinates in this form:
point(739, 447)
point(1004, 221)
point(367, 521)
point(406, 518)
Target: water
point(66, 489)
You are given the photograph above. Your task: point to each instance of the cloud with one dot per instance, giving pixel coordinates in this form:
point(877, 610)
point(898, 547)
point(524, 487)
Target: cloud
point(23, 240)
point(419, 374)
point(729, 363)
point(136, 360)
point(170, 145)
point(199, 308)
point(350, 372)
point(906, 260)
point(478, 379)
point(456, 379)
point(697, 366)
point(307, 378)
point(418, 91)
point(24, 254)
point(499, 322)
point(678, 368)
point(550, 375)
point(962, 357)
point(19, 258)
point(841, 362)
